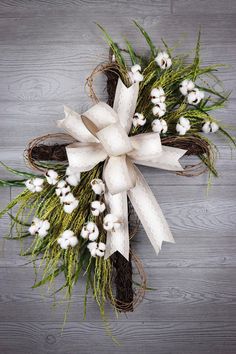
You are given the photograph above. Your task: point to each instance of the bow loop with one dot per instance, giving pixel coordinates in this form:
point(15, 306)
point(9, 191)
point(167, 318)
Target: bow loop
point(83, 157)
point(118, 174)
point(74, 125)
point(101, 115)
point(145, 145)
point(125, 103)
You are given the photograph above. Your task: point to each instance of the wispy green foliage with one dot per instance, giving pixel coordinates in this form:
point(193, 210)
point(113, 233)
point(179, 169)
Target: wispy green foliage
point(196, 61)
point(54, 260)
point(131, 51)
point(148, 39)
point(49, 277)
point(12, 183)
point(114, 47)
point(17, 172)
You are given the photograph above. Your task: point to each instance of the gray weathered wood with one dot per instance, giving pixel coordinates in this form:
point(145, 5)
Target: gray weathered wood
point(134, 337)
point(181, 294)
point(203, 7)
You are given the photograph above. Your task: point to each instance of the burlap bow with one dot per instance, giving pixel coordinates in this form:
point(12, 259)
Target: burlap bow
point(102, 135)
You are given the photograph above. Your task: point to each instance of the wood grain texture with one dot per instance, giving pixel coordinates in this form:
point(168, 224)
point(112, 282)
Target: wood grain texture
point(162, 336)
point(181, 294)
point(204, 7)
point(64, 8)
point(47, 49)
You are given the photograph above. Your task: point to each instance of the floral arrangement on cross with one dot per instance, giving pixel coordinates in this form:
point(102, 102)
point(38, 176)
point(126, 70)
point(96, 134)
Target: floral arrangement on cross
point(75, 209)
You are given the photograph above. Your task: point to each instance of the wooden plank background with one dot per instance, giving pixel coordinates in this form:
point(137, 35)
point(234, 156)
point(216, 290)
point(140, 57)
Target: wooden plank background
point(47, 48)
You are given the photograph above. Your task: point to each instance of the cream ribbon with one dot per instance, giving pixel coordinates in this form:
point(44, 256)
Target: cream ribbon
point(102, 135)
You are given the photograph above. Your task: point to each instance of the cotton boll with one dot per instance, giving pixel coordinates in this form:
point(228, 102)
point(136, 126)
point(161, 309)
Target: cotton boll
point(159, 110)
point(69, 203)
point(73, 241)
point(90, 231)
point(69, 198)
point(46, 224)
point(34, 185)
point(99, 253)
point(38, 189)
point(63, 243)
point(63, 192)
point(33, 229)
point(102, 246)
point(67, 239)
point(214, 127)
point(92, 246)
point(136, 77)
point(35, 225)
point(62, 189)
point(158, 95)
point(135, 68)
point(96, 249)
point(184, 122)
point(38, 184)
point(195, 96)
point(210, 127)
point(72, 180)
point(163, 60)
point(42, 232)
point(29, 185)
point(97, 207)
point(180, 129)
point(43, 229)
point(183, 126)
point(206, 128)
point(134, 74)
point(138, 120)
point(67, 234)
point(157, 92)
point(52, 177)
point(61, 184)
point(39, 227)
point(156, 126)
point(72, 177)
point(38, 181)
point(186, 86)
point(158, 100)
point(69, 208)
point(93, 236)
point(111, 222)
point(84, 232)
point(98, 186)
point(164, 126)
point(159, 126)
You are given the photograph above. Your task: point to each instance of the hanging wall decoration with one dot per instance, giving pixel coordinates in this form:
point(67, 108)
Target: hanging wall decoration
point(85, 198)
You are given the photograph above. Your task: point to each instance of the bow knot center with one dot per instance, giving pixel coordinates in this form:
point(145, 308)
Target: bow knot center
point(115, 140)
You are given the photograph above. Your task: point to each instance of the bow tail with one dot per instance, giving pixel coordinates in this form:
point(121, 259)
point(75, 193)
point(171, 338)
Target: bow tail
point(149, 213)
point(118, 240)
